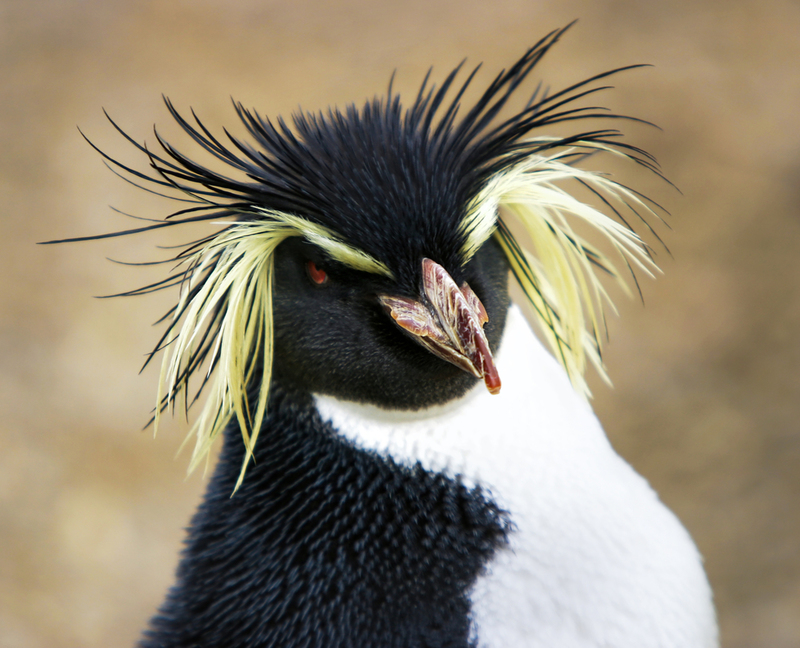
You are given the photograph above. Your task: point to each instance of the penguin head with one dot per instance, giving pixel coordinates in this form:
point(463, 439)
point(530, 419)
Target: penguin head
point(417, 324)
point(365, 253)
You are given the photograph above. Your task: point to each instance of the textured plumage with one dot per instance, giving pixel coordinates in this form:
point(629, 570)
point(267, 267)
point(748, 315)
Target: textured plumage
point(351, 292)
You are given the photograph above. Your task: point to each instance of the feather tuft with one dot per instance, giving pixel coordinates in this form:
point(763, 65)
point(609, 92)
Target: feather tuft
point(226, 307)
point(558, 272)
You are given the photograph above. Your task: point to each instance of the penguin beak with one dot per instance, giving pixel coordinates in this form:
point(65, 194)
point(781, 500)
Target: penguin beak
point(448, 322)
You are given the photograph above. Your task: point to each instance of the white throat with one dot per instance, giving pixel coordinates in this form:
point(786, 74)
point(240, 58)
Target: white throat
point(596, 559)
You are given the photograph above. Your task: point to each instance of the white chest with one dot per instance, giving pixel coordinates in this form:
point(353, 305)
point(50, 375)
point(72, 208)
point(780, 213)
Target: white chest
point(595, 559)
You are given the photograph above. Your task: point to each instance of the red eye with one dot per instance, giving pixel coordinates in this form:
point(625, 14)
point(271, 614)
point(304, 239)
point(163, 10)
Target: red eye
point(318, 276)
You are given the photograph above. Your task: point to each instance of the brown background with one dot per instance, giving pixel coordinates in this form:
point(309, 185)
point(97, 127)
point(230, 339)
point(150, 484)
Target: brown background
point(706, 373)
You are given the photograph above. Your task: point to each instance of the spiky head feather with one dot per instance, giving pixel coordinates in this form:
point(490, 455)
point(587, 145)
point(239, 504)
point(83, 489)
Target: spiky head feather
point(354, 183)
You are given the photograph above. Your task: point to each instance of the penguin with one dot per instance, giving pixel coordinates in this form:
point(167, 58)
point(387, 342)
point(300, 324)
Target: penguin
point(404, 462)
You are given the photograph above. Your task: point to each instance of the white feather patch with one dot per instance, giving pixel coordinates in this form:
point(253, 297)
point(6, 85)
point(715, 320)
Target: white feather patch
point(596, 559)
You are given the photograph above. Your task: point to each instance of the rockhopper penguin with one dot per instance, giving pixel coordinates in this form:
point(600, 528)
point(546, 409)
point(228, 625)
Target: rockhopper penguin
point(403, 463)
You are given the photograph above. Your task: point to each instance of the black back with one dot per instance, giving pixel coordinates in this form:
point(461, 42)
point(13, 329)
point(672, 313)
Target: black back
point(327, 545)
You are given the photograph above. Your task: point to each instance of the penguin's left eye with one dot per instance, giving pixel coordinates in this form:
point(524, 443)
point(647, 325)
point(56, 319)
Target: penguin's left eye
point(317, 275)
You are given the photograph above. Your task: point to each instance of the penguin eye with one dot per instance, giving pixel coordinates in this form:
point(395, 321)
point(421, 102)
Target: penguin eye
point(317, 275)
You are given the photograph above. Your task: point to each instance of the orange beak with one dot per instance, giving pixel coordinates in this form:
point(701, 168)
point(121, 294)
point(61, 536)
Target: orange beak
point(449, 323)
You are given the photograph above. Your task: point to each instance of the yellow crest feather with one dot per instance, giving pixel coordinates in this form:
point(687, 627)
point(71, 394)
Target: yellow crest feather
point(558, 274)
point(228, 291)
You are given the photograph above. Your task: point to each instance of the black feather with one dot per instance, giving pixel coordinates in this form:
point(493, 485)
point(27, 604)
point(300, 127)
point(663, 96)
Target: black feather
point(327, 545)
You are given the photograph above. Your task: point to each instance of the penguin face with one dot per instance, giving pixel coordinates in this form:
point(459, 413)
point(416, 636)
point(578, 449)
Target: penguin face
point(333, 336)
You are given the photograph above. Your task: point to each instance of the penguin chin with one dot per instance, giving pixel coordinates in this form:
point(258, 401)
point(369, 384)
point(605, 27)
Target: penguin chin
point(396, 386)
point(410, 396)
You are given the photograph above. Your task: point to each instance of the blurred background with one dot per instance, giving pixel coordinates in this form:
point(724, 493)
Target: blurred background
point(707, 393)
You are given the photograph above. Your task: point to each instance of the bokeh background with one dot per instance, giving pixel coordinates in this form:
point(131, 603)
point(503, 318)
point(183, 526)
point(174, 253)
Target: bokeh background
point(706, 392)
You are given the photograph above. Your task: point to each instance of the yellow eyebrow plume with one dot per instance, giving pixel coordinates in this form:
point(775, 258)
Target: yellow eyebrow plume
point(227, 293)
point(558, 270)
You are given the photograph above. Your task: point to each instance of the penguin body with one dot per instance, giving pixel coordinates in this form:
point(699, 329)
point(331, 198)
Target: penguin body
point(462, 524)
point(387, 479)
point(593, 557)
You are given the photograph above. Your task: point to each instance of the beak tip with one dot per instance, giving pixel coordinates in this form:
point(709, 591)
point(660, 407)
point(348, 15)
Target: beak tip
point(493, 383)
